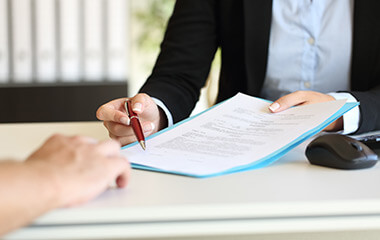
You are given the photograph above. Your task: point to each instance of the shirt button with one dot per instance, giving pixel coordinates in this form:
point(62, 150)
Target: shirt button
point(307, 84)
point(311, 41)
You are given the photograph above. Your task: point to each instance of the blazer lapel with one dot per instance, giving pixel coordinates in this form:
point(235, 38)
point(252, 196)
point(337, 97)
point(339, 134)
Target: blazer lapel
point(366, 41)
point(257, 15)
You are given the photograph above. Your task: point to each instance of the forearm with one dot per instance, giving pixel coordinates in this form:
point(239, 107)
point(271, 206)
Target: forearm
point(183, 65)
point(25, 195)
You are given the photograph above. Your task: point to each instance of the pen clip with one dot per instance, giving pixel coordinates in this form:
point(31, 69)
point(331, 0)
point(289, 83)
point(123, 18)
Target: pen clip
point(130, 112)
point(127, 107)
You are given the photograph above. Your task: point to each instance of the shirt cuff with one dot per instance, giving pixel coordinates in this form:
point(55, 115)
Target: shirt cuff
point(351, 118)
point(165, 109)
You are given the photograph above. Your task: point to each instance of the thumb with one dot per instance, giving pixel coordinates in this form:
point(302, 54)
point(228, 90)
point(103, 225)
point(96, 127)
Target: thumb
point(144, 106)
point(287, 101)
point(140, 102)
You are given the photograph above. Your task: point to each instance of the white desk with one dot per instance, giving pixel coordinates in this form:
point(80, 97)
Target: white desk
point(288, 200)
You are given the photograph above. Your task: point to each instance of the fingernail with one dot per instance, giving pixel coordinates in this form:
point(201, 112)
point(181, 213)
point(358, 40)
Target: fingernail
point(120, 182)
point(125, 120)
point(137, 107)
point(149, 128)
point(274, 106)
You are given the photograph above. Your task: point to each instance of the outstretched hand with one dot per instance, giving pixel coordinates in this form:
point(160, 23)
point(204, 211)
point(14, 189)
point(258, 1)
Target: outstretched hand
point(115, 118)
point(79, 168)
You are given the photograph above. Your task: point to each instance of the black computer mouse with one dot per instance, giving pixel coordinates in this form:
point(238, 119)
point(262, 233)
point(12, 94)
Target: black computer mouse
point(340, 151)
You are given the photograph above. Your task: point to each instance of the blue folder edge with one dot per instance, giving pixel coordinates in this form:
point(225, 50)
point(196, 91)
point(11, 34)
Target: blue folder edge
point(263, 162)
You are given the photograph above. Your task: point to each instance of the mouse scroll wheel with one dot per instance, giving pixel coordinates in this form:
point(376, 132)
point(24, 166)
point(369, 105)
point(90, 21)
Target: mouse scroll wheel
point(357, 146)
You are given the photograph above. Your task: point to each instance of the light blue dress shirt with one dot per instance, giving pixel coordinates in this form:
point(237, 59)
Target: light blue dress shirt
point(309, 49)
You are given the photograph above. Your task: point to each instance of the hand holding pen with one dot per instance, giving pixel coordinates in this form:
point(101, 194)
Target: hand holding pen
point(115, 118)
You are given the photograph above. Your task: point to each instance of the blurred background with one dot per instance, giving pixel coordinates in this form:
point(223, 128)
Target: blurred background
point(61, 59)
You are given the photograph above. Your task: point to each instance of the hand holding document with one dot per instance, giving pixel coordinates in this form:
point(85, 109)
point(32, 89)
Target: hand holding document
point(235, 135)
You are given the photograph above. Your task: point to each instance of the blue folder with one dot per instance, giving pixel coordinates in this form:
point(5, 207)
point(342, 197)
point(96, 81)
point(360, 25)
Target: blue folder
point(263, 162)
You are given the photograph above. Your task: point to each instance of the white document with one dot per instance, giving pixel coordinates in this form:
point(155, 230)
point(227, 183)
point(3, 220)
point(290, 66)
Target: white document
point(234, 134)
point(22, 41)
point(70, 40)
point(117, 40)
point(4, 47)
point(45, 41)
point(93, 40)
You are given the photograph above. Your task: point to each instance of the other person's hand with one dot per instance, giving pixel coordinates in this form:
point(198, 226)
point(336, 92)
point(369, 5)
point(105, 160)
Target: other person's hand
point(80, 168)
point(299, 98)
point(115, 118)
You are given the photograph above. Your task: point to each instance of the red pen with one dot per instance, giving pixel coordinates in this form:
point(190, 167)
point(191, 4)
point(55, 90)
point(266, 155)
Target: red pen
point(135, 122)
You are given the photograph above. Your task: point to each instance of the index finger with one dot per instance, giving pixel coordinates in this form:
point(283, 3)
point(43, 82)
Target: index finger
point(108, 112)
point(120, 170)
point(109, 148)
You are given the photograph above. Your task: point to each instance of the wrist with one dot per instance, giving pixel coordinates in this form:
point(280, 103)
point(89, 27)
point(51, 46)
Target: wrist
point(336, 126)
point(163, 120)
point(165, 116)
point(50, 188)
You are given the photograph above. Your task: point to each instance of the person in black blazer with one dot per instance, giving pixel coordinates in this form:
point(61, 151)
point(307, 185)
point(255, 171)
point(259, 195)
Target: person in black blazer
point(195, 31)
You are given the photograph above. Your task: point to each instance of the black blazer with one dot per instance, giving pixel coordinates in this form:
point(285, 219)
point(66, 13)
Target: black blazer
point(241, 28)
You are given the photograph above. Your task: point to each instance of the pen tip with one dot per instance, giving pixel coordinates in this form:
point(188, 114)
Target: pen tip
point(142, 143)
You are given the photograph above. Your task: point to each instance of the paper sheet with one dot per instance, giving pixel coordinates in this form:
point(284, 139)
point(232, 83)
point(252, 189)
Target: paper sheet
point(231, 136)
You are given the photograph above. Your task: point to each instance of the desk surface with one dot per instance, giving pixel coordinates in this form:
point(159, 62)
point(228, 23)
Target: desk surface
point(288, 196)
